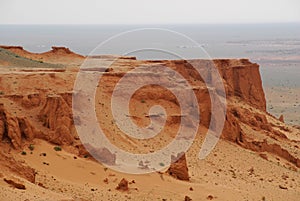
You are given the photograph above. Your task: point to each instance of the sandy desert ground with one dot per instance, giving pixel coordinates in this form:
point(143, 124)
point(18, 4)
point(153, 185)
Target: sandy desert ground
point(257, 157)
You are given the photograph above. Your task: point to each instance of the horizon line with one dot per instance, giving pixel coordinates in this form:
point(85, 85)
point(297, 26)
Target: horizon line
point(138, 24)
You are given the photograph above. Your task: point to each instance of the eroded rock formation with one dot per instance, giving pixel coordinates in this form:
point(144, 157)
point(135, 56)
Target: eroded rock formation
point(56, 115)
point(243, 80)
point(15, 129)
point(178, 168)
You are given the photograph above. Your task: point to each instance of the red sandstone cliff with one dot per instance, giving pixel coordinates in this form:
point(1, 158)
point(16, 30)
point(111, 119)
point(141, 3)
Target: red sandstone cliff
point(247, 123)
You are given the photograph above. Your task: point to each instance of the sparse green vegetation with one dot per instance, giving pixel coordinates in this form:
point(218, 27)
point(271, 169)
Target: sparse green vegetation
point(57, 148)
point(1, 93)
point(162, 164)
point(23, 153)
point(31, 147)
point(15, 60)
point(143, 101)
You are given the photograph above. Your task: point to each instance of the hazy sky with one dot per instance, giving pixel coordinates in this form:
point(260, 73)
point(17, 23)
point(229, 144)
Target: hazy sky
point(147, 12)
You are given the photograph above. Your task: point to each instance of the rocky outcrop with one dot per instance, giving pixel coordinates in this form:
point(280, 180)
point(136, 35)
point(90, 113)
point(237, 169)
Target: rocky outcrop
point(264, 138)
point(281, 118)
point(256, 120)
point(241, 77)
point(232, 130)
point(123, 185)
point(31, 101)
point(11, 47)
point(178, 167)
point(59, 50)
point(276, 149)
point(15, 129)
point(187, 198)
point(243, 80)
point(15, 184)
point(246, 105)
point(55, 112)
point(17, 167)
point(57, 117)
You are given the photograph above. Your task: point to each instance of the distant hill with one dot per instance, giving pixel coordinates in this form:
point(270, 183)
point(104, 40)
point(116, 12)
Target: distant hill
point(10, 59)
point(57, 55)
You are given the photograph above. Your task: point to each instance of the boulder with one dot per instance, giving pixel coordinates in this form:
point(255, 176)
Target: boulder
point(178, 167)
point(123, 185)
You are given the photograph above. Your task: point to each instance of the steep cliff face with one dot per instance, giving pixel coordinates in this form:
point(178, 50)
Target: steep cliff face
point(241, 77)
point(56, 115)
point(243, 80)
point(15, 129)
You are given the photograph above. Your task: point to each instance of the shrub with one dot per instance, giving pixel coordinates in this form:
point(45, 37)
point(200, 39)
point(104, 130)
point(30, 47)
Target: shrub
point(31, 147)
point(57, 148)
point(23, 153)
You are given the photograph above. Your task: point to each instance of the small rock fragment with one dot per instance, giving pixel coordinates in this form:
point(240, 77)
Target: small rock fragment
point(187, 198)
point(15, 184)
point(283, 187)
point(281, 118)
point(105, 180)
point(123, 185)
